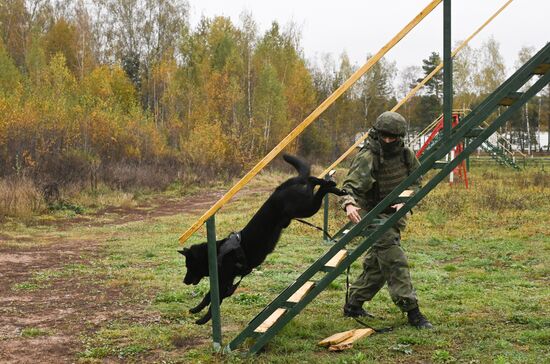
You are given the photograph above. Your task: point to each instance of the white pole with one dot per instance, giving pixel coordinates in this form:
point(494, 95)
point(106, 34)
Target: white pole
point(451, 175)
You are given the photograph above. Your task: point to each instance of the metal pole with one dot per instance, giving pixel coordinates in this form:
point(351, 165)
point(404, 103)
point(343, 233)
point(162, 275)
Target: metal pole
point(466, 142)
point(325, 220)
point(447, 70)
point(214, 286)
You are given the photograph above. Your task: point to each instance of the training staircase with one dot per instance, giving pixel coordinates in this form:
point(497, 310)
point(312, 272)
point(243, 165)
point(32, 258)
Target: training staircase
point(499, 155)
point(338, 257)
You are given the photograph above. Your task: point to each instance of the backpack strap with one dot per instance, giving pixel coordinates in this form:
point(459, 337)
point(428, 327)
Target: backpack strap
point(406, 158)
point(233, 244)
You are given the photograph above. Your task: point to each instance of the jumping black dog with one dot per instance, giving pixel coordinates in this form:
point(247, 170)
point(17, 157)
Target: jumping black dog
point(239, 253)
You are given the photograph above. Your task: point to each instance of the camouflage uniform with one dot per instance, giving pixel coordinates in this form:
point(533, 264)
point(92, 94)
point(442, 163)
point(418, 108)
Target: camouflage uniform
point(374, 173)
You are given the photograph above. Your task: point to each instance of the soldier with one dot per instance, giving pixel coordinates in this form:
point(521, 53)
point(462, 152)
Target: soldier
point(377, 169)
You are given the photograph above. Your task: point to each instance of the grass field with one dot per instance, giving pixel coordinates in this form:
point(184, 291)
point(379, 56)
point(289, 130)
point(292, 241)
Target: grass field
point(479, 262)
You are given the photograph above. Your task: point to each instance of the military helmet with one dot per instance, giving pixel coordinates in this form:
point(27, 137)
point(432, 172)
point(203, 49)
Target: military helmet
point(390, 122)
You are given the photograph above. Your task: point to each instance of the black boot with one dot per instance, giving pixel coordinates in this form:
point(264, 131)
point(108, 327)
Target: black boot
point(355, 311)
point(417, 319)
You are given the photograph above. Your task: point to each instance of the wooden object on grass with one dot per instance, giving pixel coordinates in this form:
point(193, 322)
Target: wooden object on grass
point(344, 340)
point(336, 338)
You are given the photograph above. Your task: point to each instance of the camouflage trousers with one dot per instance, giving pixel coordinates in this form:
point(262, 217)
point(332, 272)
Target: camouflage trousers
point(385, 262)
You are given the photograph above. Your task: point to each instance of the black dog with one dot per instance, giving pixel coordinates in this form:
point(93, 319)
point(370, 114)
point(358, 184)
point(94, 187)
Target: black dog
point(239, 253)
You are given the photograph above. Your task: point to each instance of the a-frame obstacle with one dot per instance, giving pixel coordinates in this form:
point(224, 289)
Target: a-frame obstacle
point(338, 257)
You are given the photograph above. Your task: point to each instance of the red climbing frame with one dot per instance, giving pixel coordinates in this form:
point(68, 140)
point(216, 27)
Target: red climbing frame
point(460, 170)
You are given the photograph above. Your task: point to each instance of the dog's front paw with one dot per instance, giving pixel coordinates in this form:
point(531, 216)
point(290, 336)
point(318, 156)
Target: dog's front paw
point(203, 319)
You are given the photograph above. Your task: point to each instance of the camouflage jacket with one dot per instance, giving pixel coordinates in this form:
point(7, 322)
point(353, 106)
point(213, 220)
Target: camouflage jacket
point(362, 176)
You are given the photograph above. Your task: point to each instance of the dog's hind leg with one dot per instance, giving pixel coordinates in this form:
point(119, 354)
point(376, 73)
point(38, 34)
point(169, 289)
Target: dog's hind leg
point(205, 302)
point(228, 291)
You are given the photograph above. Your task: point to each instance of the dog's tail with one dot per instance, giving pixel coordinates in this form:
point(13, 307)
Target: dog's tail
point(303, 168)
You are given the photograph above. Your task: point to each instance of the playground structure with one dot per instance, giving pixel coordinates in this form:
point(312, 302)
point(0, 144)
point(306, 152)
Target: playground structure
point(338, 257)
point(497, 147)
point(460, 170)
point(497, 151)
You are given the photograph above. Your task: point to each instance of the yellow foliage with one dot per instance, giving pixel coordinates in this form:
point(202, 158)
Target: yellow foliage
point(207, 146)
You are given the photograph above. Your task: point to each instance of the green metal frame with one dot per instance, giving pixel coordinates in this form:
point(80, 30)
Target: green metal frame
point(325, 218)
point(447, 70)
point(214, 285)
point(432, 155)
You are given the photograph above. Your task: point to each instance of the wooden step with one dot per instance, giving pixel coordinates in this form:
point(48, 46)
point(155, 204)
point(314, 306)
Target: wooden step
point(270, 320)
point(541, 69)
point(474, 132)
point(406, 193)
point(510, 98)
point(404, 196)
point(300, 293)
point(337, 258)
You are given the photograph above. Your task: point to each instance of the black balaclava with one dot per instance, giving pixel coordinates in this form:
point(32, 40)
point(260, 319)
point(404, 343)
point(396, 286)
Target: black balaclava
point(391, 149)
point(385, 150)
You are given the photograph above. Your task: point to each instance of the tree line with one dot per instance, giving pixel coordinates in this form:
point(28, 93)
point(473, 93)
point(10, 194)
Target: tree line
point(123, 83)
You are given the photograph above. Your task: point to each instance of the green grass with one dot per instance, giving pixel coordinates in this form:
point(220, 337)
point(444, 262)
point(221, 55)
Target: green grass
point(32, 332)
point(479, 262)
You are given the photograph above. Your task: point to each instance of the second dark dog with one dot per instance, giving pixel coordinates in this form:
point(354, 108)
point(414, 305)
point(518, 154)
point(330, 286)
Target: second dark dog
point(239, 253)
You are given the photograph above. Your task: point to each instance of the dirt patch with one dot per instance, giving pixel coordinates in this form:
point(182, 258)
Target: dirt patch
point(43, 320)
point(156, 207)
point(16, 259)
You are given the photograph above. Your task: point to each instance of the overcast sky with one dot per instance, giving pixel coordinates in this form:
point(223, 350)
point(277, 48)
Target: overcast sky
point(361, 27)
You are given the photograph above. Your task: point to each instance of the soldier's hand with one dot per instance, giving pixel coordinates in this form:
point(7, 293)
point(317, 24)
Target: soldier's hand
point(353, 213)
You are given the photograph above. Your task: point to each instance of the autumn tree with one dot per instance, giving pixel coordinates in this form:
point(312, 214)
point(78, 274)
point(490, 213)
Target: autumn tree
point(434, 87)
point(62, 38)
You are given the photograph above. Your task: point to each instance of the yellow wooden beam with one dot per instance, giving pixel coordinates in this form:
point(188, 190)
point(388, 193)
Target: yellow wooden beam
point(453, 53)
point(417, 87)
point(308, 120)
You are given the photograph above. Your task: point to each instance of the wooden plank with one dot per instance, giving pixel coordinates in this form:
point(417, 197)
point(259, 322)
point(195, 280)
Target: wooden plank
point(541, 69)
point(348, 343)
point(270, 320)
point(337, 258)
point(297, 296)
point(309, 119)
point(406, 193)
point(336, 338)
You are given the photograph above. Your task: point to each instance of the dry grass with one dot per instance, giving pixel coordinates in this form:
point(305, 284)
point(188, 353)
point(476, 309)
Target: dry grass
point(103, 196)
point(20, 198)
